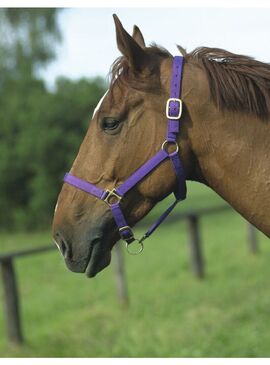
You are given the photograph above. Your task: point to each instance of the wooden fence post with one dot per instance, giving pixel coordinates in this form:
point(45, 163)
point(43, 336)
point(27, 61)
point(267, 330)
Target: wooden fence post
point(252, 238)
point(11, 302)
point(197, 261)
point(121, 282)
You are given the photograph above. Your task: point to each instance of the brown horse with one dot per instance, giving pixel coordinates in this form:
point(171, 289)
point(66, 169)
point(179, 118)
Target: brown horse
point(223, 143)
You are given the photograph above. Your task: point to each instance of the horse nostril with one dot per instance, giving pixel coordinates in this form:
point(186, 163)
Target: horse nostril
point(62, 245)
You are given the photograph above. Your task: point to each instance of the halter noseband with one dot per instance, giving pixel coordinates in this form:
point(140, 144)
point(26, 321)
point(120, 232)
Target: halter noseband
point(113, 197)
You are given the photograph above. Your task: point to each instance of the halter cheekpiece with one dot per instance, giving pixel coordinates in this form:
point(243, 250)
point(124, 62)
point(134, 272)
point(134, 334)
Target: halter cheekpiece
point(113, 197)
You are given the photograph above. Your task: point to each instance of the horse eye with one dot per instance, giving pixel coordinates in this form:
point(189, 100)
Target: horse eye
point(109, 124)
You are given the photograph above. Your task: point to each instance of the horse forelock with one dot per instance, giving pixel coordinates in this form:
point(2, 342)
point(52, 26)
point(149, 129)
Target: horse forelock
point(121, 73)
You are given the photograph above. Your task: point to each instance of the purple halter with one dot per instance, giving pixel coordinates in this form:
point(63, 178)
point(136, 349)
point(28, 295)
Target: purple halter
point(113, 197)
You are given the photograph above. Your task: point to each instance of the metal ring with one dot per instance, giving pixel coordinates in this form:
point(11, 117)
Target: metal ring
point(165, 144)
point(134, 253)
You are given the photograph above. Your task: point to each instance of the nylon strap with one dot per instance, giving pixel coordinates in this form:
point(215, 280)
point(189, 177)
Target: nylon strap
point(174, 109)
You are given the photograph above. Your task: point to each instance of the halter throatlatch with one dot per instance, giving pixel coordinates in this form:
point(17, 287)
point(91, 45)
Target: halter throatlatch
point(113, 197)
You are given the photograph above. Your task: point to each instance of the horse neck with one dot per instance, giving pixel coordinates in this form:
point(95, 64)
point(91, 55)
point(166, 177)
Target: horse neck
point(232, 153)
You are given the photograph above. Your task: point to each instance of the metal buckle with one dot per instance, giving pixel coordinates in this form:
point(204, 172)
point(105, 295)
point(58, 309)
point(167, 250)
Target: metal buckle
point(168, 108)
point(166, 143)
point(111, 194)
point(126, 228)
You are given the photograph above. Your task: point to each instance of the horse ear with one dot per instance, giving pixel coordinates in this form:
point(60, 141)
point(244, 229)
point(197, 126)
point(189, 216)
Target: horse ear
point(135, 54)
point(137, 35)
point(182, 50)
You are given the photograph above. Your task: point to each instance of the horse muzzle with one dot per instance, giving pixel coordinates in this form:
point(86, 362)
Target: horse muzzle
point(89, 253)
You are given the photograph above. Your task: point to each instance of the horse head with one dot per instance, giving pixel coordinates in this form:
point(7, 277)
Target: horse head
point(127, 128)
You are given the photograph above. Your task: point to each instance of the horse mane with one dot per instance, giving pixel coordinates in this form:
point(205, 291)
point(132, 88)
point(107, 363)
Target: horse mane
point(237, 83)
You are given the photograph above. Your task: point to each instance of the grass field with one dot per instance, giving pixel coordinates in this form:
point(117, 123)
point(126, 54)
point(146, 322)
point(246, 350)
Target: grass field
point(171, 313)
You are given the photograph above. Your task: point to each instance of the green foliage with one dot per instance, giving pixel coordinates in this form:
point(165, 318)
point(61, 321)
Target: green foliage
point(40, 131)
point(28, 38)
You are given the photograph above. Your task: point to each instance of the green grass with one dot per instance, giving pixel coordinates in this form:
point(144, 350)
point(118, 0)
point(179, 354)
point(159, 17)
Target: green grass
point(171, 313)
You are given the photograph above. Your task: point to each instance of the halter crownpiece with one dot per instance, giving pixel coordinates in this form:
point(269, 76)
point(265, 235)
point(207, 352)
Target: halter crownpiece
point(113, 197)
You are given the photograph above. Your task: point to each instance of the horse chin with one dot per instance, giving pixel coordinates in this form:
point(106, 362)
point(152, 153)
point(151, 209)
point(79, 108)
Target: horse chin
point(99, 259)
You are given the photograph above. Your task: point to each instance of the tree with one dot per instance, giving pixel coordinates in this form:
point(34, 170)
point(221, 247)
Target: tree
point(40, 131)
point(66, 114)
point(28, 40)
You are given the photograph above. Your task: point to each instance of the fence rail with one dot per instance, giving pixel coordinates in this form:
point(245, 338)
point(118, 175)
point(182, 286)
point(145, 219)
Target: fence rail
point(21, 253)
point(10, 286)
point(11, 293)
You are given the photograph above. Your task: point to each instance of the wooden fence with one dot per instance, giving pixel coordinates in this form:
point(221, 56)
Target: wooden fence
point(10, 286)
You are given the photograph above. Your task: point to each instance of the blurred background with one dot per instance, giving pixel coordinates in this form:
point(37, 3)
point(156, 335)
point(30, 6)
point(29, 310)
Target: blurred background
point(53, 71)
